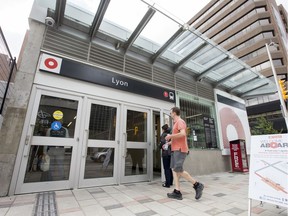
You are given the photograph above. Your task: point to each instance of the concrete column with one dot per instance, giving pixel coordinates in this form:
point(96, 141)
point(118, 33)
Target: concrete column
point(13, 121)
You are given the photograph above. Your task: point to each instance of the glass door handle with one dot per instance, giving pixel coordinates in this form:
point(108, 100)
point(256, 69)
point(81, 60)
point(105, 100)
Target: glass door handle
point(86, 143)
point(28, 140)
point(125, 145)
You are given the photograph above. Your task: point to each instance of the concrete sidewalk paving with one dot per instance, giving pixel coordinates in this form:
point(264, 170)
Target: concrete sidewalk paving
point(225, 194)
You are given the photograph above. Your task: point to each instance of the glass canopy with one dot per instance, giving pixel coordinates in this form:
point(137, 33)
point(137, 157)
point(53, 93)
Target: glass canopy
point(148, 27)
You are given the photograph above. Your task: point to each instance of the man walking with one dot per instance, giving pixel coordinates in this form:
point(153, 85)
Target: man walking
point(179, 149)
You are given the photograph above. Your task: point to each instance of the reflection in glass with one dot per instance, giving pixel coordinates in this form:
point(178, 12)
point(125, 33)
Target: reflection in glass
point(83, 10)
point(136, 162)
point(56, 117)
point(136, 126)
point(48, 163)
point(102, 124)
point(99, 163)
point(198, 117)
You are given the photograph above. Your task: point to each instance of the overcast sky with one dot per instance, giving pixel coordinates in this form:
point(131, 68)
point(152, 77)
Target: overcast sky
point(14, 16)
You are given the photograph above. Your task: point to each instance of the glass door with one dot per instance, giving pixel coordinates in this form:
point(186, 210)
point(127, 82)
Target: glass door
point(50, 144)
point(136, 144)
point(100, 144)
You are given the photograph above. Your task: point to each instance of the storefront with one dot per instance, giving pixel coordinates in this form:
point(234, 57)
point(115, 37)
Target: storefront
point(79, 134)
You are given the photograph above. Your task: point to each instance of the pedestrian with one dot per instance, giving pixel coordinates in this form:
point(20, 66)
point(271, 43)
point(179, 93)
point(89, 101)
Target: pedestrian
point(179, 149)
point(166, 156)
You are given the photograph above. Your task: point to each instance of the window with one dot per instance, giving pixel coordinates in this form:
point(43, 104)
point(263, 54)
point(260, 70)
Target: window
point(56, 117)
point(102, 122)
point(201, 125)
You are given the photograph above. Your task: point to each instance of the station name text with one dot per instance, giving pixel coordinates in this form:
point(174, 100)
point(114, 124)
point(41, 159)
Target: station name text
point(118, 82)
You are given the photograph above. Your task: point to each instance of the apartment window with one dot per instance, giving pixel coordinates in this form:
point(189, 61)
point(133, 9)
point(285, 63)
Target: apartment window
point(205, 13)
point(251, 41)
point(221, 21)
point(257, 53)
point(244, 31)
point(268, 34)
point(235, 24)
point(265, 65)
point(277, 62)
point(262, 9)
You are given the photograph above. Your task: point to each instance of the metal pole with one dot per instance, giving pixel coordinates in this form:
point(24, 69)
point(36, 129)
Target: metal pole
point(282, 103)
point(249, 207)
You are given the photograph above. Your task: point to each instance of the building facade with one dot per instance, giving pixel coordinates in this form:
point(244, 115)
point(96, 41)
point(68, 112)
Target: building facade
point(243, 27)
point(91, 99)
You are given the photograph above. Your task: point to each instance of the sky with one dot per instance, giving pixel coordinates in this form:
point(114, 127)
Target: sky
point(14, 16)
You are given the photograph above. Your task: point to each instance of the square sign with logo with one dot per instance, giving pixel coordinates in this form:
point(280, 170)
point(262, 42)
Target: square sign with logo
point(50, 63)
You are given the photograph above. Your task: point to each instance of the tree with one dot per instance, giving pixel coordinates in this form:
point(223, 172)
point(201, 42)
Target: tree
point(263, 126)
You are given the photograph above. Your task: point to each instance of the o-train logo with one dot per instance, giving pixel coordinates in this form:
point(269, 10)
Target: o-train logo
point(274, 145)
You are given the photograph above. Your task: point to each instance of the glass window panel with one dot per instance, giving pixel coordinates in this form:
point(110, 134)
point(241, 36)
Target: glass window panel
point(182, 46)
point(190, 44)
point(187, 44)
point(211, 59)
point(153, 31)
point(136, 126)
point(196, 68)
point(46, 3)
point(240, 78)
point(201, 131)
point(251, 85)
point(56, 117)
point(116, 9)
point(263, 90)
point(83, 11)
point(177, 45)
point(214, 76)
point(48, 163)
point(99, 163)
point(102, 125)
point(206, 49)
point(227, 65)
point(171, 56)
point(136, 162)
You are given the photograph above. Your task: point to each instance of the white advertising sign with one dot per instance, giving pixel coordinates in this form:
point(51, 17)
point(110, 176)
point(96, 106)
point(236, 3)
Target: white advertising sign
point(232, 120)
point(268, 178)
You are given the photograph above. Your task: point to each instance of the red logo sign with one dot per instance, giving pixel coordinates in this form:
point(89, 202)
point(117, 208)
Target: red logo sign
point(165, 93)
point(51, 63)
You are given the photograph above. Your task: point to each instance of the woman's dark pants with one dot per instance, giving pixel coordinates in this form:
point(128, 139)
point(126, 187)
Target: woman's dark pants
point(167, 170)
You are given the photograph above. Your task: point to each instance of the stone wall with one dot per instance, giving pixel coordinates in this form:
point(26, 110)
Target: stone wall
point(204, 162)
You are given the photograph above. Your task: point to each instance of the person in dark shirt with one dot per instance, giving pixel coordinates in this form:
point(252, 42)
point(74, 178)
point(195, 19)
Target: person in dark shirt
point(166, 156)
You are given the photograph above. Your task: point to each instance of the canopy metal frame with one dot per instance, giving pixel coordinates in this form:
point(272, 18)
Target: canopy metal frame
point(196, 48)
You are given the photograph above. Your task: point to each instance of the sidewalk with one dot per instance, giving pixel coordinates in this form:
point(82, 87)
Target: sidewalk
point(225, 194)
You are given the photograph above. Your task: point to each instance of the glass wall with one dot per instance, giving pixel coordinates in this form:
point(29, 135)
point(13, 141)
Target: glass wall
point(200, 118)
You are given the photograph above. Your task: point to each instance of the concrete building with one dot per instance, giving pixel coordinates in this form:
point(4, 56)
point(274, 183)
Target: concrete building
point(92, 95)
point(243, 28)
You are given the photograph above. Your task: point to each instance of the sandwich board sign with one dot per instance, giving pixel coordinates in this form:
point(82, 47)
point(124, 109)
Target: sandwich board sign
point(268, 177)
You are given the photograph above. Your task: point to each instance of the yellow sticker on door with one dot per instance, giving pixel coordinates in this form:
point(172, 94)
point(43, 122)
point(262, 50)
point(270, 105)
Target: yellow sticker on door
point(58, 115)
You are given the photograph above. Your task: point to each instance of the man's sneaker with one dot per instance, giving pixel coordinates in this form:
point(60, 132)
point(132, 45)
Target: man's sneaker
point(199, 189)
point(175, 195)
